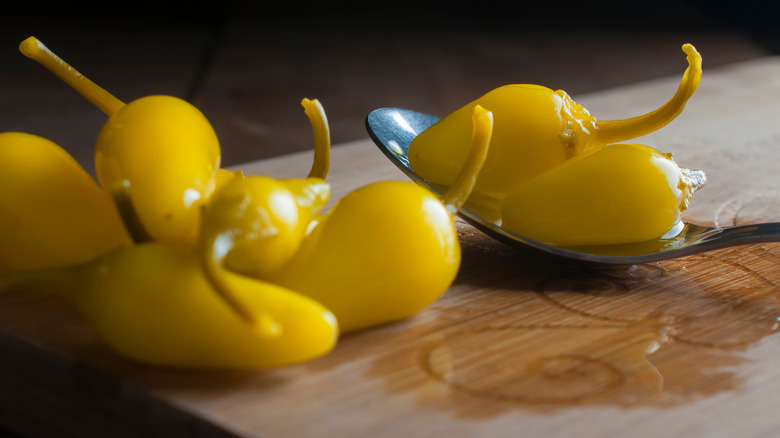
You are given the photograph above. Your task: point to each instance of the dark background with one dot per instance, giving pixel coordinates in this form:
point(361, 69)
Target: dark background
point(247, 65)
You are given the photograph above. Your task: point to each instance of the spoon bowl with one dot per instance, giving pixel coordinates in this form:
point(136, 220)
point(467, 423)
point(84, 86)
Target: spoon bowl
point(393, 129)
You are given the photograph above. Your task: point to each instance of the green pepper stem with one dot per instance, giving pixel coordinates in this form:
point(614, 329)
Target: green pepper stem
point(120, 193)
point(458, 193)
point(37, 51)
point(614, 131)
point(319, 124)
point(212, 255)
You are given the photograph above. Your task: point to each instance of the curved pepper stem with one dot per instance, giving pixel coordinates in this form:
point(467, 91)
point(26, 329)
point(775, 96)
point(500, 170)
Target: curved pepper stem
point(458, 193)
point(263, 324)
point(319, 125)
point(37, 51)
point(212, 256)
point(614, 131)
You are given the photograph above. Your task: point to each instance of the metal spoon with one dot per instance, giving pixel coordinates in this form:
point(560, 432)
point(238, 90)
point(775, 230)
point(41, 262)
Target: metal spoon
point(392, 129)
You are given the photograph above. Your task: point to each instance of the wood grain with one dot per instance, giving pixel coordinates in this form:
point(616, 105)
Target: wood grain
point(519, 346)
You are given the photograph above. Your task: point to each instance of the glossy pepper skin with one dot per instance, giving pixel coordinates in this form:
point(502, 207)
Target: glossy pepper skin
point(52, 213)
point(386, 250)
point(536, 129)
point(255, 224)
point(620, 193)
point(527, 139)
point(164, 151)
point(151, 303)
point(160, 152)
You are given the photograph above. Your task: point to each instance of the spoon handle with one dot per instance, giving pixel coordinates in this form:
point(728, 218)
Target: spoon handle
point(739, 235)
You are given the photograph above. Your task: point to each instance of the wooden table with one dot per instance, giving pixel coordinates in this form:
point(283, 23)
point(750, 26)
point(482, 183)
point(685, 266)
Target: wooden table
point(519, 346)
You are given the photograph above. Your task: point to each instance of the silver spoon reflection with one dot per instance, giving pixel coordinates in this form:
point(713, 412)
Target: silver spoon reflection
point(392, 129)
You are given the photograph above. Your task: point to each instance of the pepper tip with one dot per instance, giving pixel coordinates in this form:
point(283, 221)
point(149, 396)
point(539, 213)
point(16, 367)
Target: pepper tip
point(480, 112)
point(306, 102)
point(693, 54)
point(30, 46)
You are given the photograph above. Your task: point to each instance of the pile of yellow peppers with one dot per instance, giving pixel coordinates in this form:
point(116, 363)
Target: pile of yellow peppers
point(178, 262)
point(557, 175)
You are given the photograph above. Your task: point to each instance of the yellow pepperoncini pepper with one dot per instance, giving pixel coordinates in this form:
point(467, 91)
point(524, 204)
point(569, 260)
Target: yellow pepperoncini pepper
point(253, 225)
point(152, 303)
point(536, 129)
point(386, 250)
point(160, 150)
point(52, 213)
point(620, 193)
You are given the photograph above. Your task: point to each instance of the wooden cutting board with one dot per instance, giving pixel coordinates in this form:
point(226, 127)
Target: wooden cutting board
point(519, 346)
